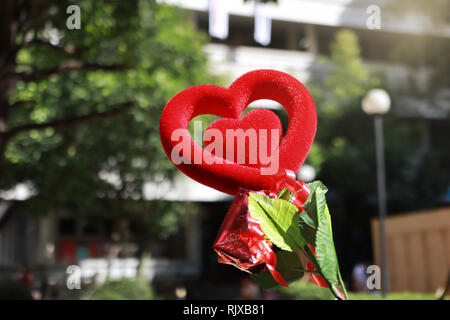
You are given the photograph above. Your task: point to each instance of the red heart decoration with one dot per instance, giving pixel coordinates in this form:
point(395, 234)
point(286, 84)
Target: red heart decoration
point(255, 119)
point(225, 175)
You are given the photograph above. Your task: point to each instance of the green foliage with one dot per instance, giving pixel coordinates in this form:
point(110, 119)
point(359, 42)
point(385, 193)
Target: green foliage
point(287, 229)
point(284, 194)
point(426, 51)
point(343, 153)
point(12, 290)
point(300, 290)
point(205, 120)
point(100, 168)
point(340, 90)
point(124, 289)
point(323, 237)
point(288, 265)
point(393, 296)
point(318, 222)
point(345, 54)
point(308, 291)
point(278, 219)
point(163, 55)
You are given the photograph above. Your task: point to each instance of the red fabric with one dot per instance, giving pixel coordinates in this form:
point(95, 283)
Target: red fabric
point(255, 119)
point(230, 103)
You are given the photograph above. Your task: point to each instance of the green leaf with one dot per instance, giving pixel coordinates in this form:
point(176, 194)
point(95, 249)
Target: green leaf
point(313, 187)
point(325, 252)
point(278, 219)
point(308, 217)
point(315, 223)
point(284, 194)
point(308, 227)
point(288, 265)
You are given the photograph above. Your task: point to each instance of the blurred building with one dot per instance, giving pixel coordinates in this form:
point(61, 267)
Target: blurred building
point(47, 245)
point(301, 32)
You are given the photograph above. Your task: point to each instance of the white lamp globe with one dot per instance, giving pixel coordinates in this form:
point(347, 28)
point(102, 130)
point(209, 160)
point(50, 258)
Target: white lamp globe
point(306, 173)
point(376, 101)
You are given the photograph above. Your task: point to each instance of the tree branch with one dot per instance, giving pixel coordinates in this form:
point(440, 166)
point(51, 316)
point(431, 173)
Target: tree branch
point(68, 50)
point(19, 104)
point(65, 67)
point(69, 122)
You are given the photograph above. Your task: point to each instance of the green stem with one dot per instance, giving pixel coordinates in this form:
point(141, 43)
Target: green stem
point(341, 282)
point(310, 255)
point(305, 270)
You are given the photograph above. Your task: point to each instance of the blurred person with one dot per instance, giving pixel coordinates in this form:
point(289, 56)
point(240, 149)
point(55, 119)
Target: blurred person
point(359, 277)
point(82, 251)
point(44, 285)
point(54, 295)
point(271, 295)
point(249, 290)
point(25, 277)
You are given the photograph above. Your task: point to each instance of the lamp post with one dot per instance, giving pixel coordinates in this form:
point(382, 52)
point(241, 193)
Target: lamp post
point(306, 173)
point(377, 102)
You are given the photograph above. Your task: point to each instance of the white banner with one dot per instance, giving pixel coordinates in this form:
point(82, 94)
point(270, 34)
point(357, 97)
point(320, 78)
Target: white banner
point(218, 19)
point(263, 24)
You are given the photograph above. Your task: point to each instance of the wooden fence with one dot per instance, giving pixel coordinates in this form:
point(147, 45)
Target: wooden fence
point(418, 249)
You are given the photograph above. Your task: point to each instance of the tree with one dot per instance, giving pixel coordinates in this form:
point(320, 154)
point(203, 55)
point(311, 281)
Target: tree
point(343, 152)
point(79, 109)
point(427, 50)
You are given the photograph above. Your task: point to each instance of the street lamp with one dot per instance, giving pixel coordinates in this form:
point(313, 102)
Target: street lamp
point(306, 173)
point(377, 102)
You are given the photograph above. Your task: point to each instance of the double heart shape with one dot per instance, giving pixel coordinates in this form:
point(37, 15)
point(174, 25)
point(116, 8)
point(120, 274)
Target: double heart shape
point(226, 175)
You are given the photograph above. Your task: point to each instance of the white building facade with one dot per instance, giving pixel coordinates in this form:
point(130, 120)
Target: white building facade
point(302, 30)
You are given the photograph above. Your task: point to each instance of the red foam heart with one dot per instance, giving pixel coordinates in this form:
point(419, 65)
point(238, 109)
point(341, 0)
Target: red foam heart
point(228, 176)
point(256, 119)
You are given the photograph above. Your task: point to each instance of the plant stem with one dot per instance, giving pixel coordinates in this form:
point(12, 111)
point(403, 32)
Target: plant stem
point(310, 255)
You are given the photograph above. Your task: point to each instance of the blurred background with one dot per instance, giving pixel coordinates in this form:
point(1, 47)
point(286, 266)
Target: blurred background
point(84, 181)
